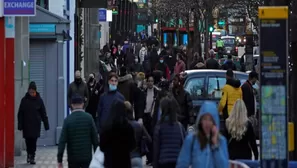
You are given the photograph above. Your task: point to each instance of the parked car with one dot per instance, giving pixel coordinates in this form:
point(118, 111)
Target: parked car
point(207, 84)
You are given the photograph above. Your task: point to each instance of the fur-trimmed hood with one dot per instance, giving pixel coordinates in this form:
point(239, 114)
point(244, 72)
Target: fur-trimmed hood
point(125, 78)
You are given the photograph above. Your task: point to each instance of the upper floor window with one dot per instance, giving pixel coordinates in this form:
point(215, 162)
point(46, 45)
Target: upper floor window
point(42, 3)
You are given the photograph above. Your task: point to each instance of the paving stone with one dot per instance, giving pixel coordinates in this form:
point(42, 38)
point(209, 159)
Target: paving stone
point(46, 157)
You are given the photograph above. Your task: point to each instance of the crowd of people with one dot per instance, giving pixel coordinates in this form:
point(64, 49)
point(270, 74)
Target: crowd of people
point(130, 111)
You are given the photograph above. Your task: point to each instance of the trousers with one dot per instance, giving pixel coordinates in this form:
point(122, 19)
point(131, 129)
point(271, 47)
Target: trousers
point(78, 165)
point(31, 144)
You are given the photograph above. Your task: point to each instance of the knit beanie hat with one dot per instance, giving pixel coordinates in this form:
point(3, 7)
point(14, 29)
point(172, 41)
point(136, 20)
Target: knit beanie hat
point(32, 85)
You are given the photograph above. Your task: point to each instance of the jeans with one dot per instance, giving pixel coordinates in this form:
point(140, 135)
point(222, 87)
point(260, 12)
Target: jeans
point(136, 162)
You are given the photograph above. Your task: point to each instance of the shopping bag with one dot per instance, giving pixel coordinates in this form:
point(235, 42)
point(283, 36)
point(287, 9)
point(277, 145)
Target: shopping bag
point(98, 159)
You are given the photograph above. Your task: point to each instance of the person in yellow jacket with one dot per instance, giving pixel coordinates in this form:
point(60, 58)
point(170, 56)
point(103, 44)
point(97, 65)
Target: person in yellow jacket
point(230, 93)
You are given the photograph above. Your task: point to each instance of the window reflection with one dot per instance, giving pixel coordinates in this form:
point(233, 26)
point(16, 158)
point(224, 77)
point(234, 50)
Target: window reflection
point(195, 87)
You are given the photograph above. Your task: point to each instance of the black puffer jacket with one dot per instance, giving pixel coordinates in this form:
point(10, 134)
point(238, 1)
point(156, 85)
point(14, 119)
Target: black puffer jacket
point(31, 113)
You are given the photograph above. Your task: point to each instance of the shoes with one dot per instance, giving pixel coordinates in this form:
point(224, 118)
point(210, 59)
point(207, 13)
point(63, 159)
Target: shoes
point(28, 158)
point(31, 159)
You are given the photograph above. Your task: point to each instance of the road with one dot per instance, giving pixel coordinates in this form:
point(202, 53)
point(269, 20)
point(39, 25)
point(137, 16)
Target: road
point(46, 157)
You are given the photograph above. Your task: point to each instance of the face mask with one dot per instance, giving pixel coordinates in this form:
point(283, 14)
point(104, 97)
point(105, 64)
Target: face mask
point(136, 60)
point(161, 61)
point(112, 87)
point(91, 79)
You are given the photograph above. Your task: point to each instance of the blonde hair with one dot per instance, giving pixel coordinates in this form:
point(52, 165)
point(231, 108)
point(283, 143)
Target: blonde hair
point(236, 123)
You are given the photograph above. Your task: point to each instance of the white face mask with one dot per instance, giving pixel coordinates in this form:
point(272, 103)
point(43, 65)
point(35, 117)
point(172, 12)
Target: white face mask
point(136, 60)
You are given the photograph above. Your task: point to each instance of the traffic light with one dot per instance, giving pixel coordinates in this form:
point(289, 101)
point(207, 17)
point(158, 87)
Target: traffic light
point(115, 10)
point(157, 20)
point(210, 28)
point(221, 23)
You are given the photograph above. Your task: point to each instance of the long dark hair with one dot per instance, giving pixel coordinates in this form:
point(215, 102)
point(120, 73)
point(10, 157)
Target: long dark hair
point(169, 108)
point(117, 116)
point(203, 140)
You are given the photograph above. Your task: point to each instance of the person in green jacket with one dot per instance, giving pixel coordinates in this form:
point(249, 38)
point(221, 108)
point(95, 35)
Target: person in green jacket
point(220, 46)
point(80, 134)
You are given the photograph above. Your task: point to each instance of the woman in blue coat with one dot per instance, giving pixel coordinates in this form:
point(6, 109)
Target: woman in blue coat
point(206, 147)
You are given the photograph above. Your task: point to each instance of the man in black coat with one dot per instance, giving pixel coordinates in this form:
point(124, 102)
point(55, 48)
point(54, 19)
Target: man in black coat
point(211, 63)
point(31, 113)
point(248, 93)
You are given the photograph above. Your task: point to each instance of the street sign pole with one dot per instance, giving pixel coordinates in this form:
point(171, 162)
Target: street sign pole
point(274, 86)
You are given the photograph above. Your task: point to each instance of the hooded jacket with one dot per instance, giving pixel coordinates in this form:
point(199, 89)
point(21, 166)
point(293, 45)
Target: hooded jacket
point(230, 93)
point(192, 155)
point(125, 86)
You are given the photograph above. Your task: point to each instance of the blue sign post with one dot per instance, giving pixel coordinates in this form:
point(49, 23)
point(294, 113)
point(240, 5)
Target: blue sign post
point(274, 86)
point(102, 15)
point(19, 7)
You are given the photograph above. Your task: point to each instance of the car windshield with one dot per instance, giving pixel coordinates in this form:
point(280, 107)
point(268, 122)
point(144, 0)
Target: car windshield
point(229, 41)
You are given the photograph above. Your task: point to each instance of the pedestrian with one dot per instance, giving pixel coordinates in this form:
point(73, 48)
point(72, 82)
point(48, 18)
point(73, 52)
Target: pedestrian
point(31, 112)
point(168, 135)
point(206, 147)
point(198, 62)
point(79, 134)
point(162, 66)
point(230, 93)
point(154, 58)
point(240, 134)
point(106, 100)
point(117, 139)
point(185, 114)
point(142, 54)
point(95, 90)
point(229, 64)
point(78, 86)
point(156, 109)
point(180, 65)
point(248, 95)
point(126, 85)
point(150, 97)
point(211, 62)
point(120, 57)
point(141, 136)
point(130, 58)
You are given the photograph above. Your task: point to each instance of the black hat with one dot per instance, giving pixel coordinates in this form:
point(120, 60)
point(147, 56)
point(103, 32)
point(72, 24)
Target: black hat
point(253, 74)
point(164, 85)
point(76, 99)
point(230, 73)
point(32, 85)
